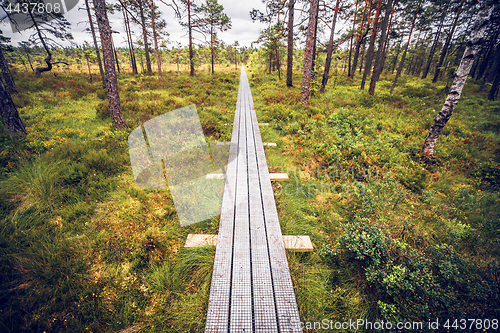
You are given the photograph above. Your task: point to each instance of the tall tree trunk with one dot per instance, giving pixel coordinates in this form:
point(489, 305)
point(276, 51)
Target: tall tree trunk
point(363, 53)
point(289, 56)
point(26, 50)
point(473, 46)
point(308, 54)
point(190, 33)
point(380, 56)
point(397, 54)
point(491, 48)
point(447, 44)
point(145, 38)
point(278, 65)
point(402, 62)
point(386, 44)
point(433, 47)
point(9, 112)
point(130, 42)
point(369, 54)
point(96, 46)
point(352, 37)
point(155, 39)
point(329, 51)
point(48, 59)
point(315, 39)
point(361, 35)
point(495, 86)
point(212, 47)
point(116, 55)
point(489, 76)
point(109, 64)
point(6, 73)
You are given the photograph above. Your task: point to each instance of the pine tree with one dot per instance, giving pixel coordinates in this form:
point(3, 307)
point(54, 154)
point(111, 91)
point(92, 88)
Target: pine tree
point(309, 53)
point(109, 64)
point(380, 56)
point(329, 51)
point(212, 19)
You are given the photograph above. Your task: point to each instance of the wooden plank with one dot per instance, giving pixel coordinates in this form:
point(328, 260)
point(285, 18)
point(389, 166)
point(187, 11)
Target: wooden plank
point(220, 291)
point(278, 176)
point(241, 286)
point(263, 292)
point(292, 243)
point(197, 240)
point(287, 311)
point(297, 243)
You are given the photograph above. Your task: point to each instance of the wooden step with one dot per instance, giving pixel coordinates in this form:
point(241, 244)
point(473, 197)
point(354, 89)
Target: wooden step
point(292, 243)
point(272, 176)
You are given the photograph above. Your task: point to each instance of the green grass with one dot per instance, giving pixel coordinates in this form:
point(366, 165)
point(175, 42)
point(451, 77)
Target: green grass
point(83, 249)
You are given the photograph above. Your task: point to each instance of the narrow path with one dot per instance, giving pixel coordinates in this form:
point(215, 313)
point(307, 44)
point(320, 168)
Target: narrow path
point(251, 287)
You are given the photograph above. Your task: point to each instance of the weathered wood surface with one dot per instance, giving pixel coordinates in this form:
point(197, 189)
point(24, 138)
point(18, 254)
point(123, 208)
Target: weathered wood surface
point(251, 287)
point(292, 243)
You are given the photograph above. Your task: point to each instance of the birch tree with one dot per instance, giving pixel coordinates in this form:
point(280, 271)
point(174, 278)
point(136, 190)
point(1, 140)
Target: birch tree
point(476, 38)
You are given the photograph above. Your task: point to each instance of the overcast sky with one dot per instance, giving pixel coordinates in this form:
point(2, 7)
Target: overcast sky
point(243, 29)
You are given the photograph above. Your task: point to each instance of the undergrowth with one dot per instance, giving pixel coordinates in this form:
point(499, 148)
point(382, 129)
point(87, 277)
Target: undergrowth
point(82, 248)
point(397, 236)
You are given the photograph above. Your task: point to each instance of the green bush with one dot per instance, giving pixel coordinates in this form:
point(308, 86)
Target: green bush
point(413, 284)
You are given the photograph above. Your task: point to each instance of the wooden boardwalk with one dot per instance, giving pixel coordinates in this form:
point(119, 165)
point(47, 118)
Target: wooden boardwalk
point(251, 287)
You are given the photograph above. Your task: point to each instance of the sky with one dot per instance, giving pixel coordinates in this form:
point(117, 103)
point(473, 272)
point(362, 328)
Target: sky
point(243, 29)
